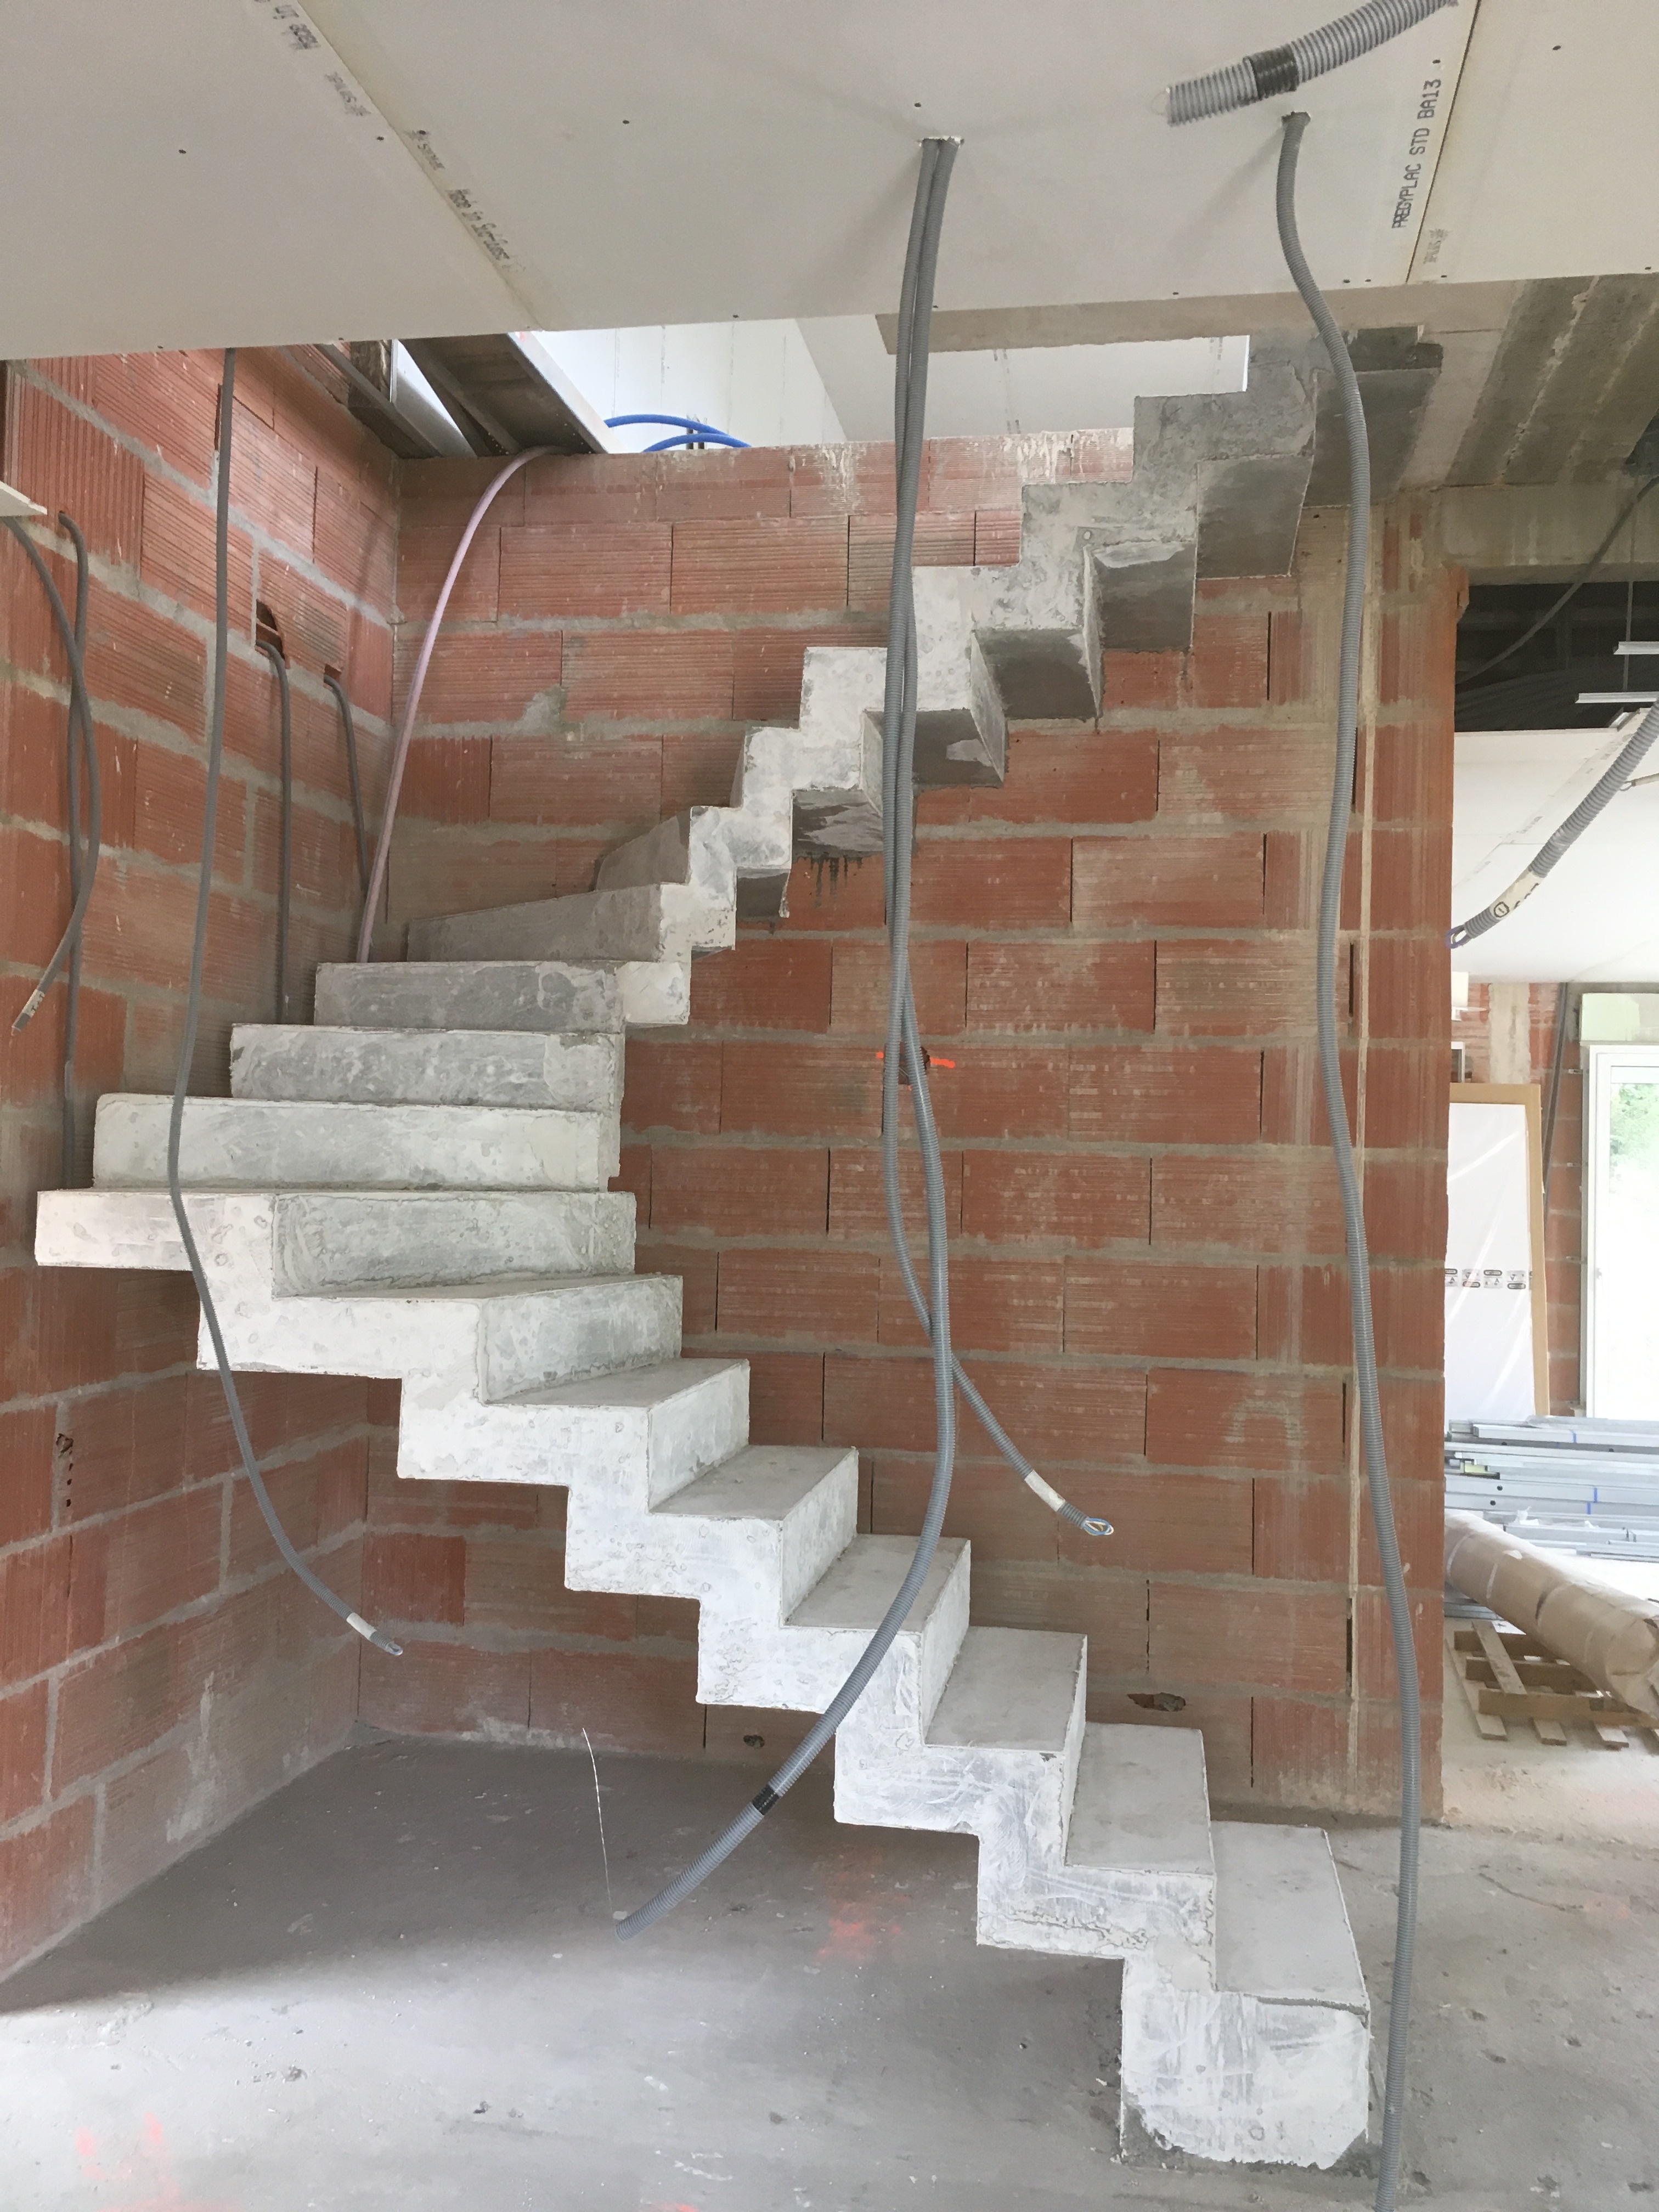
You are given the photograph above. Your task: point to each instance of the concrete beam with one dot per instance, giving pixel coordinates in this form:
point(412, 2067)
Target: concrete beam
point(1544, 534)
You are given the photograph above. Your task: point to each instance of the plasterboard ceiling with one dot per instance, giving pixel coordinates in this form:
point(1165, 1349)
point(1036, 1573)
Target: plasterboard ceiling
point(1595, 917)
point(412, 168)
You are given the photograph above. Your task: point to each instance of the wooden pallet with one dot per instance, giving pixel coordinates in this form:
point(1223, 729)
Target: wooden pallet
point(1506, 1677)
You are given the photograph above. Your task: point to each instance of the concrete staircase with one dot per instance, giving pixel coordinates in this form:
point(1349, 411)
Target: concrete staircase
point(415, 1187)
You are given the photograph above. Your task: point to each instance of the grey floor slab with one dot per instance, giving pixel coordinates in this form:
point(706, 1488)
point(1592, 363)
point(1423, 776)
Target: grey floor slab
point(396, 1984)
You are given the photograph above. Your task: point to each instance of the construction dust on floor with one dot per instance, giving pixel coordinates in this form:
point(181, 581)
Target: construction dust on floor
point(395, 1984)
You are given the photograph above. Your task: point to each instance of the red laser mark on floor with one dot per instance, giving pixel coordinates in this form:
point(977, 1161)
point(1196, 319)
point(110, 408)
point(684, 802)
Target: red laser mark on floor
point(148, 2168)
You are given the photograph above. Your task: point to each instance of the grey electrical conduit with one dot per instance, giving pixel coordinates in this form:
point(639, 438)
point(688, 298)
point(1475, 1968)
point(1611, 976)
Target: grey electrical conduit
point(192, 1017)
point(417, 684)
point(1601, 793)
point(79, 730)
point(1283, 68)
point(349, 727)
point(273, 653)
point(68, 945)
point(898, 733)
point(1336, 1114)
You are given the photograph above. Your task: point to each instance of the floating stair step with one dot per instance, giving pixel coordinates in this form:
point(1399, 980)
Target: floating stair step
point(468, 995)
point(801, 1670)
point(493, 1341)
point(1282, 1931)
point(670, 1420)
point(804, 1496)
point(639, 922)
point(582, 1074)
point(1012, 1689)
point(325, 1240)
point(1142, 1802)
point(245, 1144)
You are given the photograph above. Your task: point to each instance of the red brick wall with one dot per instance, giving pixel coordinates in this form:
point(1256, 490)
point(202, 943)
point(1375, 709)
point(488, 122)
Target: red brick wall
point(1115, 952)
point(159, 1671)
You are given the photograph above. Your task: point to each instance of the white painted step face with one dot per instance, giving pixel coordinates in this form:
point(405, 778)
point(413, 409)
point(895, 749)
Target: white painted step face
point(747, 1538)
point(234, 1144)
point(637, 1436)
point(582, 1074)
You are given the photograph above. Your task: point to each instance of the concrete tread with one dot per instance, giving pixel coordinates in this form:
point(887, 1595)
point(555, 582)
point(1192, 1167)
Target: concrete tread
point(1282, 1929)
point(761, 1482)
point(1141, 1801)
point(1011, 1689)
point(579, 1072)
point(636, 1388)
point(862, 1583)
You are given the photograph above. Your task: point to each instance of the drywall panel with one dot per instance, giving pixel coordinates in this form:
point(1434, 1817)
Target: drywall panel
point(1551, 165)
point(649, 163)
point(416, 167)
point(193, 173)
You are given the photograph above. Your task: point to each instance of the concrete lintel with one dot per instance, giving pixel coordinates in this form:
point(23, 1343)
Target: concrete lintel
point(1544, 534)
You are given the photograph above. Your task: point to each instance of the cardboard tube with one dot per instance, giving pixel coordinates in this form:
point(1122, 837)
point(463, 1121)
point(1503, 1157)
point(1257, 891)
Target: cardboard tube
point(1607, 1634)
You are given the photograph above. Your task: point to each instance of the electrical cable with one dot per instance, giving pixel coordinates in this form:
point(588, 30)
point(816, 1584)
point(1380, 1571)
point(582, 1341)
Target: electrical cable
point(1354, 1210)
point(1474, 675)
point(406, 728)
point(273, 653)
point(1601, 793)
point(1283, 68)
point(82, 730)
point(349, 729)
point(898, 778)
point(193, 1018)
point(69, 943)
point(697, 433)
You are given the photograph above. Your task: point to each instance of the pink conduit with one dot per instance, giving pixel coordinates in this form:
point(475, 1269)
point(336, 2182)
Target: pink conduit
point(400, 756)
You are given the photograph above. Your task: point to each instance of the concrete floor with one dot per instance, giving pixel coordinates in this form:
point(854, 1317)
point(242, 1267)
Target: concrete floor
point(395, 1984)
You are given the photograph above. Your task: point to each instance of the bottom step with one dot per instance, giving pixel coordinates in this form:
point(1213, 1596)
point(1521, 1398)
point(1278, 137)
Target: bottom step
point(1273, 2067)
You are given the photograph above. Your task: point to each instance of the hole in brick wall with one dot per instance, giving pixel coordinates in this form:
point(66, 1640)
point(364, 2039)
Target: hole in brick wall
point(267, 630)
point(1158, 1701)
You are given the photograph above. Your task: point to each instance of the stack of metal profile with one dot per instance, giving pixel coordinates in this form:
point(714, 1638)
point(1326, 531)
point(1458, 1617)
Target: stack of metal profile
point(1577, 1485)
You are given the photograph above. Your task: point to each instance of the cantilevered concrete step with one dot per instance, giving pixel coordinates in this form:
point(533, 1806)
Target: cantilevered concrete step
point(343, 1240)
point(236, 1144)
point(1288, 2011)
point(1142, 1804)
point(639, 1436)
point(999, 1762)
point(641, 921)
point(1282, 1930)
point(537, 994)
point(801, 1666)
point(797, 1503)
point(747, 1538)
point(467, 1344)
point(416, 1067)
point(1013, 1689)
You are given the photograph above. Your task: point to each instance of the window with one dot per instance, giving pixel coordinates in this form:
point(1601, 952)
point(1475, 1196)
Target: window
point(1621, 1275)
